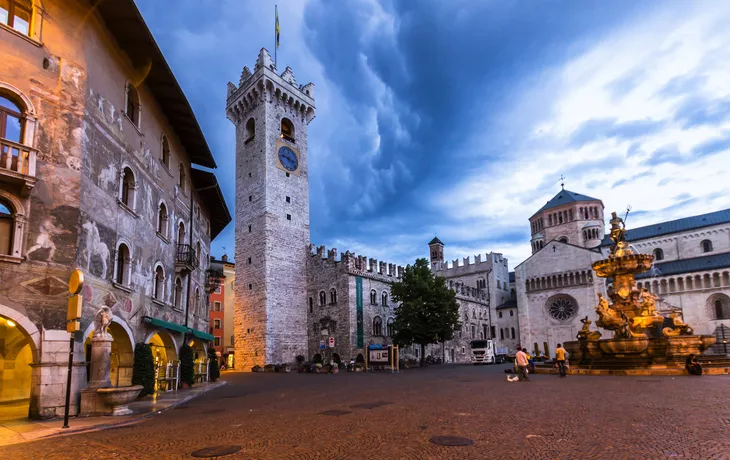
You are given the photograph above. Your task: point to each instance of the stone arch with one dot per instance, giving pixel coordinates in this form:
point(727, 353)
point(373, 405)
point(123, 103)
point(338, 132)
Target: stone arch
point(30, 329)
point(166, 341)
point(719, 311)
point(21, 347)
point(122, 360)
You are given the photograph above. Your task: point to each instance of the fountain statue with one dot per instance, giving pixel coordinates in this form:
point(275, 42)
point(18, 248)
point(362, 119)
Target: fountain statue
point(100, 397)
point(642, 338)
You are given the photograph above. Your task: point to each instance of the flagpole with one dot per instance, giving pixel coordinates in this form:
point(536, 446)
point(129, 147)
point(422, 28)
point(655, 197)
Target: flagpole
point(276, 43)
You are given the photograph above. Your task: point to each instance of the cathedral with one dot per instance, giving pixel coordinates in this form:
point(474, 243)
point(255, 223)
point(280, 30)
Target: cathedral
point(556, 286)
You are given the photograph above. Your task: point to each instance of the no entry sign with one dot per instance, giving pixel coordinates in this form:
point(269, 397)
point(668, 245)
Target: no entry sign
point(332, 342)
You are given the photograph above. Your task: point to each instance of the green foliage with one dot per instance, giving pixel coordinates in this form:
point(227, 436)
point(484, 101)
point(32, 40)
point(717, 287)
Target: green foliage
point(428, 312)
point(187, 365)
point(143, 372)
point(359, 358)
point(214, 371)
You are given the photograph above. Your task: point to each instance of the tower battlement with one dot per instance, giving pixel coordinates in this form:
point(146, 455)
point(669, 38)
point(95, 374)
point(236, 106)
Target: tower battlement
point(466, 266)
point(266, 85)
point(356, 264)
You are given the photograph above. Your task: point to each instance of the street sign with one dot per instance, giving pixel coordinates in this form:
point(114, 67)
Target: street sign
point(322, 346)
point(332, 342)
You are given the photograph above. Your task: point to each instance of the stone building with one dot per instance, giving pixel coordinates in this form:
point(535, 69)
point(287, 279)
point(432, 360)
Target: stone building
point(98, 143)
point(221, 306)
point(556, 287)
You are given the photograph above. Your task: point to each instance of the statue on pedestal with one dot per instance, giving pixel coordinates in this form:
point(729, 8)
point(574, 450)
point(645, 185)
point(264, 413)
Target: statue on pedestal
point(585, 333)
point(680, 327)
point(102, 320)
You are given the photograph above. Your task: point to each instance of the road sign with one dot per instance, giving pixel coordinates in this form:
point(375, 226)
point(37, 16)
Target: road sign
point(332, 342)
point(322, 346)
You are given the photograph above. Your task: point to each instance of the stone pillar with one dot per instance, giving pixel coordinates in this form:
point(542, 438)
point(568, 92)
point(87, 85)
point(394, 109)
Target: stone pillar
point(101, 350)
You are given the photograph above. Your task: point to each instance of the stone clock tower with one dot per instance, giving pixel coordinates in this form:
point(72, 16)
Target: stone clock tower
point(271, 113)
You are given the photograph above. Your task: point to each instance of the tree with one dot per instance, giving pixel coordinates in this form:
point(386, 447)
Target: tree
point(214, 371)
point(143, 370)
point(187, 365)
point(428, 312)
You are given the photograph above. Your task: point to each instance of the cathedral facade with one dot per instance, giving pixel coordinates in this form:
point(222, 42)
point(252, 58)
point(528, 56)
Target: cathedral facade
point(556, 286)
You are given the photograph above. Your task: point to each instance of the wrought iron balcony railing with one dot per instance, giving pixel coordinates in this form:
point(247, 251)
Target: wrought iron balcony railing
point(185, 257)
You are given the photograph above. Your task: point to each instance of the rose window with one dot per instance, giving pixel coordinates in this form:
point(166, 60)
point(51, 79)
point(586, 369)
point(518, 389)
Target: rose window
point(562, 308)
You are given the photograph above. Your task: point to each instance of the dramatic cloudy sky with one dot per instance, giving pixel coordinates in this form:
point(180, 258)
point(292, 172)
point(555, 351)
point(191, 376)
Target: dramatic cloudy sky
point(457, 117)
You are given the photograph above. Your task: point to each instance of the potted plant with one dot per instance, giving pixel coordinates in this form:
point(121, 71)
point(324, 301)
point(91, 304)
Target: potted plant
point(187, 366)
point(214, 371)
point(143, 371)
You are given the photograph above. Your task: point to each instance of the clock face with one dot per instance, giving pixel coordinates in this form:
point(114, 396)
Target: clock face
point(288, 158)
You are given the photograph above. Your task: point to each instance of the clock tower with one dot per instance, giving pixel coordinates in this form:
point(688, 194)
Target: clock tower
point(271, 112)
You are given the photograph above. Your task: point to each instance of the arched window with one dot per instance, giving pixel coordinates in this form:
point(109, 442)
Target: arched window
point(6, 229)
point(122, 266)
point(16, 14)
point(159, 292)
point(197, 253)
point(287, 129)
point(563, 239)
point(721, 306)
point(128, 188)
point(11, 123)
point(512, 313)
point(513, 333)
point(658, 254)
point(322, 298)
point(177, 302)
point(389, 327)
point(377, 326)
point(182, 182)
point(333, 295)
point(165, 152)
point(501, 334)
point(162, 220)
point(250, 129)
point(384, 299)
point(311, 305)
point(197, 302)
point(706, 246)
point(132, 111)
point(180, 233)
point(373, 297)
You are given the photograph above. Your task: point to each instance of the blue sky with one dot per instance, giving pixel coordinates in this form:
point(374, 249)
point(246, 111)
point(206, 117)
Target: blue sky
point(456, 118)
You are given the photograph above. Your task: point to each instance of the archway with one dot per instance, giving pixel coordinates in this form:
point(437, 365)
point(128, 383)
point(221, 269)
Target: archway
point(122, 357)
point(199, 349)
point(164, 348)
point(17, 352)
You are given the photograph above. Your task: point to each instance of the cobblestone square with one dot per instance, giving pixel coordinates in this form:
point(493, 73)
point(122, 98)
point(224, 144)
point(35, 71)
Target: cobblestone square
point(383, 415)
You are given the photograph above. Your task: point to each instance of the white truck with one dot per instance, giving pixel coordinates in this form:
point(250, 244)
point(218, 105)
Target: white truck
point(483, 352)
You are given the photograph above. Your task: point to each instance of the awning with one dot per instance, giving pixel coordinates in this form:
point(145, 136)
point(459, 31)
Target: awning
point(202, 335)
point(165, 324)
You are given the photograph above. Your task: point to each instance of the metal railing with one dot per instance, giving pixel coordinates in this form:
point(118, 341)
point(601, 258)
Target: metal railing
point(186, 256)
point(17, 157)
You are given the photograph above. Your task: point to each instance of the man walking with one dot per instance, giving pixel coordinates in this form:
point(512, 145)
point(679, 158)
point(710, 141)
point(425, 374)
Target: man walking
point(560, 359)
point(521, 359)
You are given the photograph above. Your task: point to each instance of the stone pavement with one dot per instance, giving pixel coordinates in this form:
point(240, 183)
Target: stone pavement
point(364, 416)
point(22, 430)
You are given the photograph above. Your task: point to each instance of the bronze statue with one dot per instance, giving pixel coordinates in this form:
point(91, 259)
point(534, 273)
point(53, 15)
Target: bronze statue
point(648, 303)
point(585, 333)
point(680, 327)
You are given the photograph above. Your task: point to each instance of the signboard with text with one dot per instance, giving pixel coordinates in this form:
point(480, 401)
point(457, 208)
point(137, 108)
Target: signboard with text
point(379, 356)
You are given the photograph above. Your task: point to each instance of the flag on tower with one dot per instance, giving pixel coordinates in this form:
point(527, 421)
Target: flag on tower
point(276, 9)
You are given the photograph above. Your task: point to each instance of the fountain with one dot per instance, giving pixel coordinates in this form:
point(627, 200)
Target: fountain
point(100, 397)
point(644, 342)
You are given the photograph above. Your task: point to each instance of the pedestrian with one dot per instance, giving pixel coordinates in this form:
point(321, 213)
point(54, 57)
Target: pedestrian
point(530, 362)
point(560, 359)
point(521, 359)
point(693, 366)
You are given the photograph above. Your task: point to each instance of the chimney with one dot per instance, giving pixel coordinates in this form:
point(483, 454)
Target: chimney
point(224, 258)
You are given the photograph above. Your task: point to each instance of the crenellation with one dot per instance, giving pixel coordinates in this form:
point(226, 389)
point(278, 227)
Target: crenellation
point(332, 255)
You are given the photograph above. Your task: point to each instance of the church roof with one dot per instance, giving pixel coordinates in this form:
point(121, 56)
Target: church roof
point(675, 267)
point(435, 240)
point(511, 303)
point(564, 197)
point(674, 226)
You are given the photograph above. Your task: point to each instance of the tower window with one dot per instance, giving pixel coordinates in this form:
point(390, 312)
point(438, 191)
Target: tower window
point(322, 298)
point(287, 174)
point(249, 261)
point(250, 286)
point(288, 199)
point(658, 254)
point(287, 130)
point(288, 217)
point(249, 229)
point(165, 152)
point(250, 129)
point(250, 198)
point(706, 246)
point(133, 106)
point(311, 305)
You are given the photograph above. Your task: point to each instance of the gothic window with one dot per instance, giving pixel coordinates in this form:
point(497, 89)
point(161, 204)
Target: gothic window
point(162, 219)
point(562, 307)
point(133, 105)
point(322, 298)
point(384, 299)
point(128, 188)
point(16, 14)
point(373, 297)
point(481, 283)
point(333, 295)
point(389, 327)
point(513, 332)
point(250, 129)
point(11, 123)
point(121, 275)
point(658, 254)
point(721, 307)
point(196, 305)
point(180, 233)
point(182, 177)
point(377, 326)
point(159, 291)
point(706, 246)
point(165, 152)
point(177, 298)
point(311, 305)
point(287, 129)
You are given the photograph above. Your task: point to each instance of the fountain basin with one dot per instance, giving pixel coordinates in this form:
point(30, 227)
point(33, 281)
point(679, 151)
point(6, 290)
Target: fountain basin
point(633, 345)
point(117, 398)
point(628, 264)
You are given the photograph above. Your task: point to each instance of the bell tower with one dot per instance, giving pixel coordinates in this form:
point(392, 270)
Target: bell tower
point(271, 112)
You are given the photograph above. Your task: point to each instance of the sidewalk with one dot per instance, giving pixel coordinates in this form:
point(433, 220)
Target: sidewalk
point(24, 430)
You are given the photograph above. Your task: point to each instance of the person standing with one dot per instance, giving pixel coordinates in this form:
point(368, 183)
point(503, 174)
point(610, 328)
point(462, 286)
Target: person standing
point(521, 359)
point(560, 359)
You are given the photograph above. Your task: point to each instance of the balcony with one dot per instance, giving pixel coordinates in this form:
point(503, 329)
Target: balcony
point(213, 280)
point(185, 259)
point(17, 165)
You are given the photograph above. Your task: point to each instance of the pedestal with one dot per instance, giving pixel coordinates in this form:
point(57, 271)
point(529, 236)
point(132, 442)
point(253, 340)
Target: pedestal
point(101, 350)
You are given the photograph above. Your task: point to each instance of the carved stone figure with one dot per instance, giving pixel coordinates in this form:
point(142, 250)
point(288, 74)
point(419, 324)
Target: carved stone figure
point(648, 303)
point(102, 320)
point(680, 327)
point(585, 333)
